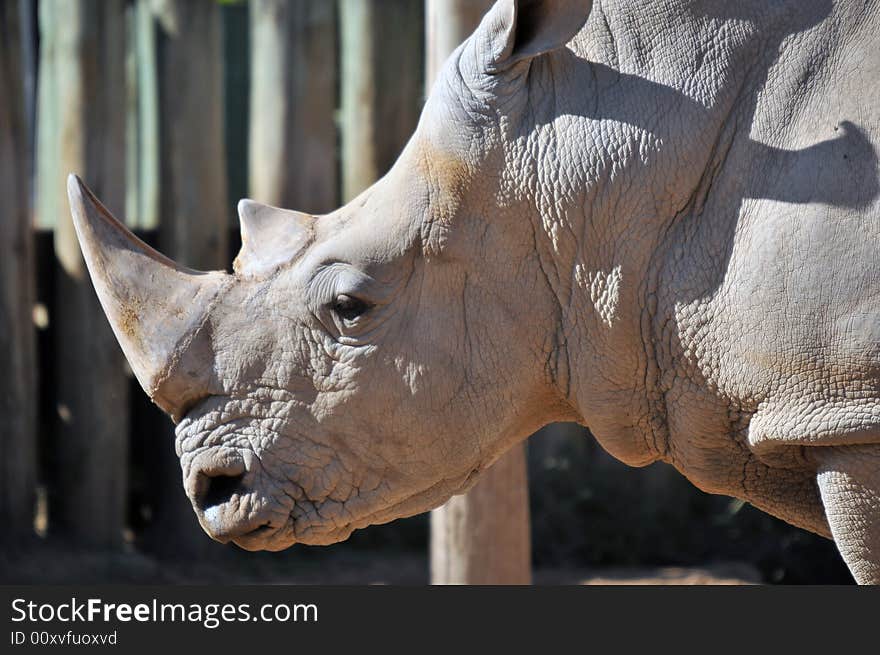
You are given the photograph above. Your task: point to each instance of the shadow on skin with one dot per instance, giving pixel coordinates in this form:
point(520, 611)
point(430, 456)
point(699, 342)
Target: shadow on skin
point(840, 172)
point(808, 175)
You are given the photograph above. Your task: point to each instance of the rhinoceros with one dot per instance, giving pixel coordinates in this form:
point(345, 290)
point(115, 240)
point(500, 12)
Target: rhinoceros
point(656, 218)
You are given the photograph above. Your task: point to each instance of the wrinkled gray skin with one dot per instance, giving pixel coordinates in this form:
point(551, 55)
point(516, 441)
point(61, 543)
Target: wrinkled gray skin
point(666, 229)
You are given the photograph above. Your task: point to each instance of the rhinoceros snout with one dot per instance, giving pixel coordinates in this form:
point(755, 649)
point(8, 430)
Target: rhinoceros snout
point(226, 498)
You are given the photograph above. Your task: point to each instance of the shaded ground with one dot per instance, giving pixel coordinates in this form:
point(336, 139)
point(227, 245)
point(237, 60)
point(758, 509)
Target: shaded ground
point(48, 564)
point(734, 573)
point(45, 563)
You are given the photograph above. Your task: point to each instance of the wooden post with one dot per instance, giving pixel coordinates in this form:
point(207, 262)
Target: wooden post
point(292, 144)
point(142, 126)
point(193, 214)
point(382, 85)
point(81, 129)
point(236, 106)
point(447, 24)
point(192, 151)
point(17, 363)
point(482, 537)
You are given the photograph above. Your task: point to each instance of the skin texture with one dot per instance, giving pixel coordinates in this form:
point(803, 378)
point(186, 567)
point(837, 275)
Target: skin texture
point(665, 229)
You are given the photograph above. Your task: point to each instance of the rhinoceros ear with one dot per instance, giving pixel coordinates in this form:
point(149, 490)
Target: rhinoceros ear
point(518, 30)
point(269, 237)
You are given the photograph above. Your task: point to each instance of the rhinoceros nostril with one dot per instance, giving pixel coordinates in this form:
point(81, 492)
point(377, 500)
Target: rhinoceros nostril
point(219, 489)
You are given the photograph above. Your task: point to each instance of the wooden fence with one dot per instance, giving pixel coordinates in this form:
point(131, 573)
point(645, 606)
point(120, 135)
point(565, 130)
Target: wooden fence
point(170, 110)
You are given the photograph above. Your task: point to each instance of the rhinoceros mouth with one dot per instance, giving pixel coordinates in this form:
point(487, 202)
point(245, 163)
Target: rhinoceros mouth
point(266, 537)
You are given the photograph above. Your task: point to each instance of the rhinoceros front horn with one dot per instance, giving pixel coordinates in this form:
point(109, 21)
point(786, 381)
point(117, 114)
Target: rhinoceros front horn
point(155, 307)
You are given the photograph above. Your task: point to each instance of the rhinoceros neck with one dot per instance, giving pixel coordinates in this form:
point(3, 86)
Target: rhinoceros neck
point(627, 133)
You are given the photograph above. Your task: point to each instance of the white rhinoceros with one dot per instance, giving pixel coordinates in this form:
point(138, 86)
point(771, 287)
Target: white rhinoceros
point(657, 218)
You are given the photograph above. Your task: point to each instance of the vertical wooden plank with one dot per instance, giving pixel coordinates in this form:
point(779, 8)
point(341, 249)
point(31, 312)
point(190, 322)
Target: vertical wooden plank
point(145, 137)
point(236, 83)
point(47, 164)
point(27, 19)
point(142, 118)
point(132, 120)
point(17, 362)
point(292, 145)
point(382, 85)
point(192, 151)
point(447, 24)
point(482, 537)
point(193, 213)
point(81, 129)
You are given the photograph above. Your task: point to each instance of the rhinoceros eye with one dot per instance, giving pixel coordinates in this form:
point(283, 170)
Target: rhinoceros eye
point(349, 308)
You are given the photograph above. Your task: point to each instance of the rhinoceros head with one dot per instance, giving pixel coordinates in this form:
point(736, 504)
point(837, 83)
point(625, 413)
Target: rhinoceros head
point(366, 364)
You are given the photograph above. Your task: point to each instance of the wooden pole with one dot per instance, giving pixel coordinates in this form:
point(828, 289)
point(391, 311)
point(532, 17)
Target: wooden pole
point(482, 537)
point(142, 125)
point(237, 91)
point(292, 144)
point(81, 129)
point(447, 24)
point(382, 85)
point(17, 363)
point(192, 149)
point(193, 227)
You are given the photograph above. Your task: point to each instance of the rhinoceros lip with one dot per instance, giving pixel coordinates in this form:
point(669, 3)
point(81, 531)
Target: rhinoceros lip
point(260, 538)
point(262, 529)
